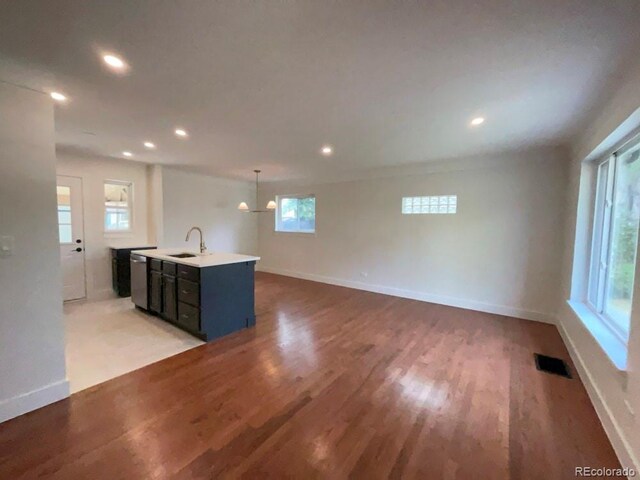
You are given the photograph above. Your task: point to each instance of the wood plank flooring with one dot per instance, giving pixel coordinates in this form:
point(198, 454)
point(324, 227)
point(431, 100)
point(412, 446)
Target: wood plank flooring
point(332, 383)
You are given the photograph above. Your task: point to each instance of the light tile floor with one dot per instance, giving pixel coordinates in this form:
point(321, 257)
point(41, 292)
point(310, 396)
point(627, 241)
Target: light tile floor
point(108, 338)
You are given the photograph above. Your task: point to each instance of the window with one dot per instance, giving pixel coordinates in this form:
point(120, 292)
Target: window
point(64, 214)
point(615, 238)
point(117, 206)
point(442, 204)
point(296, 213)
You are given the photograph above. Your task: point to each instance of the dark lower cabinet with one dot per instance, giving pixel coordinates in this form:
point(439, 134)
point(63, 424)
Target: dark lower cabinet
point(169, 298)
point(121, 269)
point(189, 317)
point(208, 302)
point(155, 291)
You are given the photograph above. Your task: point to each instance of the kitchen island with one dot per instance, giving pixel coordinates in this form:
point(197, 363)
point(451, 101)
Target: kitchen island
point(207, 294)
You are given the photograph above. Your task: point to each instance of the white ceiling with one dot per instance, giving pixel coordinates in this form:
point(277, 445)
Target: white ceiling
point(264, 84)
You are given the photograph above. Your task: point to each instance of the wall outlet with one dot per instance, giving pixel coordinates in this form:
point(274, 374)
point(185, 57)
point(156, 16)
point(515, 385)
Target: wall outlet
point(7, 244)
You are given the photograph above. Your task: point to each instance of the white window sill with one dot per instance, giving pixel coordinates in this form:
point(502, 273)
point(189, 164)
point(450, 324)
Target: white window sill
point(118, 234)
point(301, 234)
point(612, 346)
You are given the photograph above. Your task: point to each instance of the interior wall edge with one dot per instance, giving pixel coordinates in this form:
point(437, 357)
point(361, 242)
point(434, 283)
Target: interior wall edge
point(614, 432)
point(421, 296)
point(27, 402)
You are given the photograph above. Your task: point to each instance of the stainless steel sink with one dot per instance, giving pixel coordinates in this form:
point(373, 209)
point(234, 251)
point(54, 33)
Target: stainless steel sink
point(182, 255)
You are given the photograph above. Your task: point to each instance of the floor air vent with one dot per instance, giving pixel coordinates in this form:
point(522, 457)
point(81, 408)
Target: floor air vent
point(553, 365)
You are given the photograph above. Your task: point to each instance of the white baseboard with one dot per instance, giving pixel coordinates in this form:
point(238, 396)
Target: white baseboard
point(422, 296)
point(607, 419)
point(16, 406)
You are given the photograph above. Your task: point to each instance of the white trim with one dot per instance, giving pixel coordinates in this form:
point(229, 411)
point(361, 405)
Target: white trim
point(130, 201)
point(610, 343)
point(21, 404)
point(607, 419)
point(298, 196)
point(422, 296)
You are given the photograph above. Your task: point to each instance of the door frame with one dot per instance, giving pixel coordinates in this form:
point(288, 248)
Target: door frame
point(84, 242)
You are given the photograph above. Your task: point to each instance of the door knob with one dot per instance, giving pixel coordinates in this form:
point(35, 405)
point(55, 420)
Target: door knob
point(78, 249)
point(78, 241)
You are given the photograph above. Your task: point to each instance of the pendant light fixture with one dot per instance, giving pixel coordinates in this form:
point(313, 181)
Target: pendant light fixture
point(243, 207)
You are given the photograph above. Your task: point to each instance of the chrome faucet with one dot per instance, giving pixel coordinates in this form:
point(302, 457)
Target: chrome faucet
point(203, 247)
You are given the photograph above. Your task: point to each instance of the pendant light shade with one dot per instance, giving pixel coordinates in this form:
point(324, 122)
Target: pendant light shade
point(243, 207)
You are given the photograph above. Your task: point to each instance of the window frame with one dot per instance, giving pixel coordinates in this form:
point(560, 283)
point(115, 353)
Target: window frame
point(451, 206)
point(277, 221)
point(129, 208)
point(68, 210)
point(599, 259)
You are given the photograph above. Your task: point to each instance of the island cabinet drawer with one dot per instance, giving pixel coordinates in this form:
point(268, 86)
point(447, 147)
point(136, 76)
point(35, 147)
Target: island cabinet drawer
point(189, 273)
point(156, 264)
point(189, 292)
point(169, 268)
point(189, 316)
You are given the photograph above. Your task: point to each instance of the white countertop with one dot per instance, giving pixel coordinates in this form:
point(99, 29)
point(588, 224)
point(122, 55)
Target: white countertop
point(209, 259)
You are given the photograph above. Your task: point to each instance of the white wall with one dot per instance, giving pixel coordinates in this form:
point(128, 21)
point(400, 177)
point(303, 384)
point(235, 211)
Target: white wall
point(615, 394)
point(32, 368)
point(94, 171)
point(210, 203)
point(500, 253)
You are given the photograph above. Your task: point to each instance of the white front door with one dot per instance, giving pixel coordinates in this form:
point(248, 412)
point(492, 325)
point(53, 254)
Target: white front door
point(71, 234)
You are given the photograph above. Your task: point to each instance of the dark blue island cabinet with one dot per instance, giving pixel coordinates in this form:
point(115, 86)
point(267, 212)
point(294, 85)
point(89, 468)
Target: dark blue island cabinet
point(208, 302)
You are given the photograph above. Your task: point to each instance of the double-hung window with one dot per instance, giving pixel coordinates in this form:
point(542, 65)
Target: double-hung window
point(296, 213)
point(117, 206)
point(615, 238)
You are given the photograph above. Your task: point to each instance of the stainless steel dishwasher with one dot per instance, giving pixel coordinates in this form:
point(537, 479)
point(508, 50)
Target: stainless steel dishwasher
point(139, 280)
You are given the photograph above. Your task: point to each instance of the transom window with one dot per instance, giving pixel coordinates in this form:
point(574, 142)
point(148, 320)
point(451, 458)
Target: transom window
point(441, 204)
point(117, 206)
point(296, 213)
point(615, 238)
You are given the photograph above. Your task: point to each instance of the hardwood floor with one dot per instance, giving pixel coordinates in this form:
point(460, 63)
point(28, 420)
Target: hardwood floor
point(332, 383)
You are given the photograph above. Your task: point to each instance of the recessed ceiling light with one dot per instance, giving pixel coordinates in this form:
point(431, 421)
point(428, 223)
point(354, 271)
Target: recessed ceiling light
point(58, 97)
point(127, 154)
point(114, 62)
point(150, 145)
point(327, 150)
point(477, 121)
point(181, 132)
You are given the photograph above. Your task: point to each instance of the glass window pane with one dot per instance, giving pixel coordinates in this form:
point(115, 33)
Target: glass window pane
point(64, 213)
point(117, 203)
point(298, 214)
point(307, 214)
point(116, 194)
point(64, 196)
point(623, 240)
point(64, 232)
point(64, 217)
